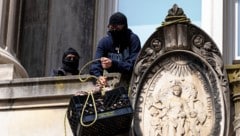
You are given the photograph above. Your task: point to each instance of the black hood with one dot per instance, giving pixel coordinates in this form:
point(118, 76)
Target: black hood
point(118, 18)
point(70, 65)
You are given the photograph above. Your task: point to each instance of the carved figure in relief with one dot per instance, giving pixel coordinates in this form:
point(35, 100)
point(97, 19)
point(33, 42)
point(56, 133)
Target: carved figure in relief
point(150, 54)
point(176, 112)
point(197, 116)
point(143, 63)
point(208, 52)
point(155, 110)
point(157, 46)
point(148, 57)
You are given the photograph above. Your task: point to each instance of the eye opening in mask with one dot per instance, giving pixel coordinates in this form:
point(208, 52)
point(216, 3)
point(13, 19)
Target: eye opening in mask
point(71, 57)
point(115, 27)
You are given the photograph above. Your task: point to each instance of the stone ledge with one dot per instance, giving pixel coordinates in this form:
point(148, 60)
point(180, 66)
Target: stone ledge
point(44, 92)
point(30, 103)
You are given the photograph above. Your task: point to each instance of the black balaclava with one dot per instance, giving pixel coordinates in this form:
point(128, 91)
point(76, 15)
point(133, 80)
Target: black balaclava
point(70, 65)
point(119, 37)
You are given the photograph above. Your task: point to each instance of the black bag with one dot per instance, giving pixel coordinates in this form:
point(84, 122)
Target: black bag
point(114, 113)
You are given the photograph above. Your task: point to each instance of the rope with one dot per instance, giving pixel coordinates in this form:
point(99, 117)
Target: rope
point(91, 76)
point(95, 111)
point(103, 89)
point(182, 19)
point(89, 94)
point(65, 125)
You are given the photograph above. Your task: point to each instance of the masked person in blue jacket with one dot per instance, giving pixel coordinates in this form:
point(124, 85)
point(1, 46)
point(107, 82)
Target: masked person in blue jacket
point(117, 51)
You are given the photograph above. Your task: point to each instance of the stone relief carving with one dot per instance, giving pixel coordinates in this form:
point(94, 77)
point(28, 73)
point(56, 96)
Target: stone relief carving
point(178, 115)
point(173, 104)
point(185, 71)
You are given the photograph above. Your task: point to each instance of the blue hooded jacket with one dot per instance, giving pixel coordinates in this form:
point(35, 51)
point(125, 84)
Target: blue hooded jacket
point(123, 56)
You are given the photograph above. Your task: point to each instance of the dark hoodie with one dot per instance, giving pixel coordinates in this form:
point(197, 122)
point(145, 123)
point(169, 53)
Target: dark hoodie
point(122, 47)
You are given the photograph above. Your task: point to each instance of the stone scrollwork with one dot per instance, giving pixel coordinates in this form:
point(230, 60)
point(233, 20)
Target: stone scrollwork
point(209, 52)
point(148, 55)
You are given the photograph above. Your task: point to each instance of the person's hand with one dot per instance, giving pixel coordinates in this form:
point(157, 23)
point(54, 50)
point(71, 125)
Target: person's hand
point(106, 62)
point(102, 81)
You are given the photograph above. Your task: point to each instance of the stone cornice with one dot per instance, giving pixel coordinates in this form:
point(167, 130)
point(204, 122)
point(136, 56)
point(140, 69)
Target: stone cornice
point(44, 92)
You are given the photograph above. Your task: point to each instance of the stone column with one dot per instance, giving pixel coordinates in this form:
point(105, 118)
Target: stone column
point(9, 37)
point(14, 15)
point(234, 82)
point(104, 9)
point(9, 25)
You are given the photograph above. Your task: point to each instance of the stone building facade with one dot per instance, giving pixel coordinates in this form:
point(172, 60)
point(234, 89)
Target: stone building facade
point(36, 33)
point(33, 35)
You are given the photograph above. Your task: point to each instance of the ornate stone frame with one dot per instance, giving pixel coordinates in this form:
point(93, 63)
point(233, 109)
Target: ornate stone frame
point(179, 54)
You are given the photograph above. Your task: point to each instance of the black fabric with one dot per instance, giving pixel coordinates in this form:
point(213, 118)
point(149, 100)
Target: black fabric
point(70, 51)
point(121, 38)
point(118, 19)
point(62, 72)
point(58, 72)
point(70, 66)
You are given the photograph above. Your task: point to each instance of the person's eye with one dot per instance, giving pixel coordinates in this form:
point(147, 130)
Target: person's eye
point(71, 58)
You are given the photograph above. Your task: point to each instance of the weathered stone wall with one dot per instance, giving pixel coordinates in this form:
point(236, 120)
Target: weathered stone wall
point(37, 106)
point(48, 28)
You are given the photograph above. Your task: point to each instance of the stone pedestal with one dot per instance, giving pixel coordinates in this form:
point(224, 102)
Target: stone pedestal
point(234, 81)
point(10, 64)
point(6, 71)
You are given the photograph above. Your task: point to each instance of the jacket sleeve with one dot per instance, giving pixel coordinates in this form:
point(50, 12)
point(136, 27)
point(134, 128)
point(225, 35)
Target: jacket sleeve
point(96, 68)
point(126, 66)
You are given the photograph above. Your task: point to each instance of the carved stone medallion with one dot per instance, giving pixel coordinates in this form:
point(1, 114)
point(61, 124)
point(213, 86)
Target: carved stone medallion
point(179, 86)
